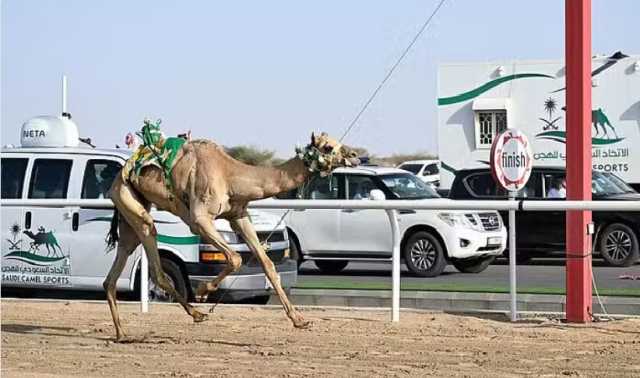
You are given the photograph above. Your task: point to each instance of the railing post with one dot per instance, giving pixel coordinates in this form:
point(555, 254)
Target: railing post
point(395, 265)
point(512, 259)
point(144, 283)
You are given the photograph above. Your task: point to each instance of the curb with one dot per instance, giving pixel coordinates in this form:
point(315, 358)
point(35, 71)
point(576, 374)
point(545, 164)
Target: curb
point(454, 301)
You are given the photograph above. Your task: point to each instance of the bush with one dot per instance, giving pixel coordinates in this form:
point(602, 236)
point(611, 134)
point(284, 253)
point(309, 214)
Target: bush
point(252, 155)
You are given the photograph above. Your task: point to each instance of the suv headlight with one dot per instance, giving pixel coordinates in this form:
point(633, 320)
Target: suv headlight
point(468, 220)
point(230, 237)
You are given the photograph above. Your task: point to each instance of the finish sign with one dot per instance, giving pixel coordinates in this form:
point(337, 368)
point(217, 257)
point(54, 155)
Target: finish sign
point(511, 160)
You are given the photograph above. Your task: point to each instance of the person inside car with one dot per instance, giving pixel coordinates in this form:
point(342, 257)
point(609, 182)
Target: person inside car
point(558, 188)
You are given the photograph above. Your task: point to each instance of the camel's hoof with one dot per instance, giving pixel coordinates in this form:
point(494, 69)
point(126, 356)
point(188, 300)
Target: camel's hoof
point(122, 339)
point(199, 317)
point(302, 324)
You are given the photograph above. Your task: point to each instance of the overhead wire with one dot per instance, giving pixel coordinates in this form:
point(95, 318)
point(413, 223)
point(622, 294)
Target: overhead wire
point(392, 70)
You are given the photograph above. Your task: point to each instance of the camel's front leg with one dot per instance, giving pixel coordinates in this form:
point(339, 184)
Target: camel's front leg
point(204, 227)
point(245, 228)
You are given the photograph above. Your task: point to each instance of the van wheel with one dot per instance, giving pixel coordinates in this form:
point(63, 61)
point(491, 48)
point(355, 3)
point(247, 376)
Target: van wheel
point(424, 255)
point(473, 265)
point(176, 279)
point(619, 245)
point(331, 267)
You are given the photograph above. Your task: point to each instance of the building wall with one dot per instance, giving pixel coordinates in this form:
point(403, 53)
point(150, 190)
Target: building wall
point(527, 86)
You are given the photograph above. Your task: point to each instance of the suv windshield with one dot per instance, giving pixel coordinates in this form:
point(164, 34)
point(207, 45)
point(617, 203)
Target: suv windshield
point(604, 183)
point(413, 168)
point(408, 186)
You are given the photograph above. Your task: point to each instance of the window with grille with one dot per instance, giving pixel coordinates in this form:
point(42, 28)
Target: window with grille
point(489, 123)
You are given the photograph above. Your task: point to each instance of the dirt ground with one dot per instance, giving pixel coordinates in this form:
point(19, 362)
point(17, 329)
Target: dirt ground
point(62, 339)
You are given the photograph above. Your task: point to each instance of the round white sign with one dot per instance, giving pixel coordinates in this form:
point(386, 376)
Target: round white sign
point(511, 159)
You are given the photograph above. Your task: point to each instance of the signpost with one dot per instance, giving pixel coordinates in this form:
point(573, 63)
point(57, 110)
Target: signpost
point(511, 163)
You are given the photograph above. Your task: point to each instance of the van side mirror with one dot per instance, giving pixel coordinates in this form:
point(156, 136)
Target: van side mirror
point(377, 195)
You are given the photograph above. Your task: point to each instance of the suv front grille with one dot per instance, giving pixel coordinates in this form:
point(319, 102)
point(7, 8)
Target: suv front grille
point(490, 221)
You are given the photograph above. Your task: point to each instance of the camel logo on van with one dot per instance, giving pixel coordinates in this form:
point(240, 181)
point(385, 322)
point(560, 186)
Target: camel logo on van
point(604, 133)
point(35, 255)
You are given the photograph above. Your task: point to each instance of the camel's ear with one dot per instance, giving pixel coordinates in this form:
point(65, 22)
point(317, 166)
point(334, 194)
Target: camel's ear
point(313, 138)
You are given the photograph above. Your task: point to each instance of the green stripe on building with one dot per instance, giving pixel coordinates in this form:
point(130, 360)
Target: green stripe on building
point(486, 87)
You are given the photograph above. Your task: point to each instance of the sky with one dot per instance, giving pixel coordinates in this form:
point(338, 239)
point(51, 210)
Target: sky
point(268, 73)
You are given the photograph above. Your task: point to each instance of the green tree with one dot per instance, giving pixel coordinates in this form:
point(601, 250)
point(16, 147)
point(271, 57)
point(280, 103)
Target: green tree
point(252, 155)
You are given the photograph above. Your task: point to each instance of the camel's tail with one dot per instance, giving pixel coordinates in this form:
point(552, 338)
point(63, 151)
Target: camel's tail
point(112, 236)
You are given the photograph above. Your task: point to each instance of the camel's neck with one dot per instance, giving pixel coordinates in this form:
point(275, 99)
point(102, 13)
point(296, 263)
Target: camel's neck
point(268, 181)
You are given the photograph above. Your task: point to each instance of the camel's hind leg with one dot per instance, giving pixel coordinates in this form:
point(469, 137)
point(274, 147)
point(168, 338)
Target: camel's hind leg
point(138, 218)
point(126, 245)
point(245, 228)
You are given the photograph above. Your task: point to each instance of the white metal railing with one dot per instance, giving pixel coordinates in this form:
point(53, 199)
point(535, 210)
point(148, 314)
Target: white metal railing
point(390, 206)
point(433, 204)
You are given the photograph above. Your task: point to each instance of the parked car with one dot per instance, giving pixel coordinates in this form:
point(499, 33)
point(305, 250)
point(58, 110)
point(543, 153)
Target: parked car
point(540, 233)
point(470, 240)
point(427, 170)
point(60, 247)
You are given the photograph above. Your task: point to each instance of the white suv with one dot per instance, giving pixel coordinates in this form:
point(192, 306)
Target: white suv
point(426, 170)
point(470, 240)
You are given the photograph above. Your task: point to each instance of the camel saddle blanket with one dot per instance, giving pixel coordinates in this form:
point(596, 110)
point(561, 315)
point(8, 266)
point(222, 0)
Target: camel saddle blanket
point(161, 155)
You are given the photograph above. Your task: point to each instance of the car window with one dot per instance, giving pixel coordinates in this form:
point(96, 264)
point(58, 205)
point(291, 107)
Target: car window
point(413, 168)
point(359, 187)
point(13, 171)
point(408, 186)
point(323, 188)
point(98, 177)
point(553, 185)
point(50, 178)
point(483, 185)
point(431, 169)
point(604, 183)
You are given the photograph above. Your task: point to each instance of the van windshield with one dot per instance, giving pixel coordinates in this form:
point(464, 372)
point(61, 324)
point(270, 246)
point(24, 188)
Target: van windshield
point(408, 186)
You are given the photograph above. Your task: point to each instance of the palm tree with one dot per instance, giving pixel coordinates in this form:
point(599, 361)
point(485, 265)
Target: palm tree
point(550, 106)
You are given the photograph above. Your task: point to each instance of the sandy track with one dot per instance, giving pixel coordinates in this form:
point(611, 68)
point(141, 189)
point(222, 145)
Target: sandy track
point(61, 339)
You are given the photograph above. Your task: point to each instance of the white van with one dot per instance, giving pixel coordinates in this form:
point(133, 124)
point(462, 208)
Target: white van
point(59, 247)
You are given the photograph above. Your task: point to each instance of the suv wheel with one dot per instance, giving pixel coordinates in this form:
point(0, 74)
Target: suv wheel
point(176, 279)
point(294, 251)
point(473, 264)
point(424, 255)
point(619, 245)
point(331, 266)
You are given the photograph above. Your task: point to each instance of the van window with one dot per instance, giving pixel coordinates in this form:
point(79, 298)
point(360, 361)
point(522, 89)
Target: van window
point(50, 179)
point(13, 171)
point(98, 177)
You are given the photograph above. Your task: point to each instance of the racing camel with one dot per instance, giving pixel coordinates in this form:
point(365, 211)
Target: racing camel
point(199, 182)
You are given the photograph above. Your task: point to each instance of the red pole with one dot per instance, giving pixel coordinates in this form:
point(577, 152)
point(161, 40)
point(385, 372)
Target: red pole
point(578, 100)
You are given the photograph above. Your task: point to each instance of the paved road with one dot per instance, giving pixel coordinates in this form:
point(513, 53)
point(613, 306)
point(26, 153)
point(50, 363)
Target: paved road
point(545, 273)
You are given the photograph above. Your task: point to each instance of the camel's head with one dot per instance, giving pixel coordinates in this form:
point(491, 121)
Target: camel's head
point(325, 154)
